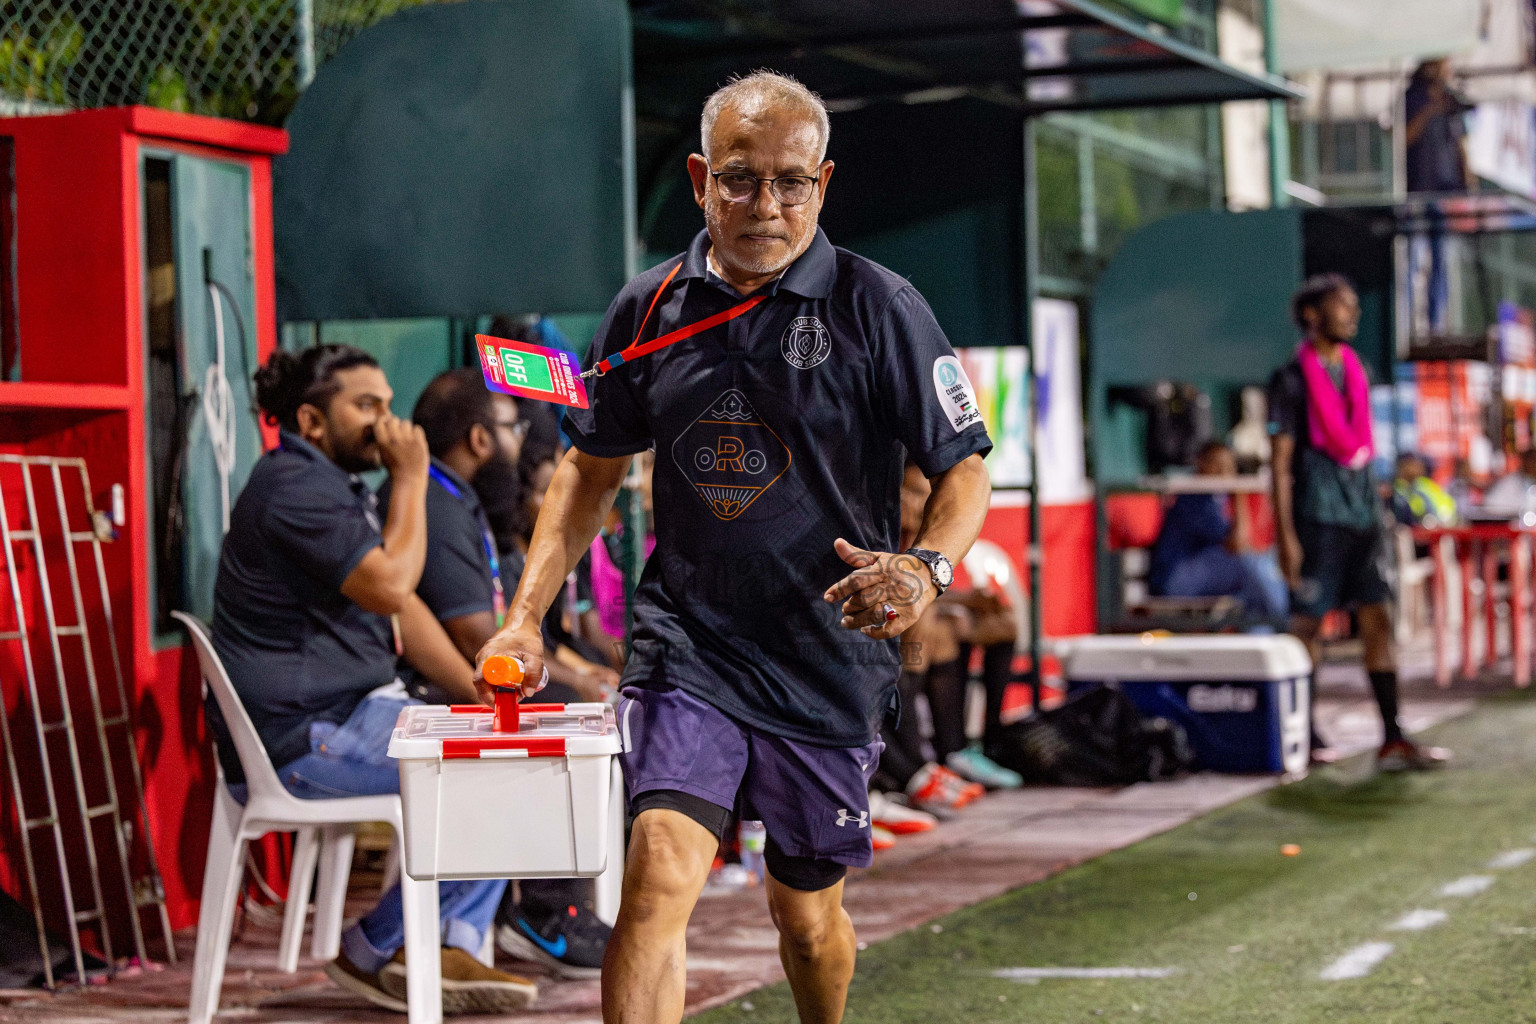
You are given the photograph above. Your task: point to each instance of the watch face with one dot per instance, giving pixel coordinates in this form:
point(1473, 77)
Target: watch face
point(943, 572)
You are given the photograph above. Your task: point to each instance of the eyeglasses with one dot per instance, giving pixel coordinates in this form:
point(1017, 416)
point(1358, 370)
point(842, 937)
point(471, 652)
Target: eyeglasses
point(519, 428)
point(739, 187)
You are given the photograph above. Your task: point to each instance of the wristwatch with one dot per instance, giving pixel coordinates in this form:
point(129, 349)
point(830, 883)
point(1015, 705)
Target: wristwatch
point(939, 568)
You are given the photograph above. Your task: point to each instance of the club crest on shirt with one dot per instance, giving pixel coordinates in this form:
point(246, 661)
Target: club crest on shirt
point(730, 455)
point(805, 343)
point(955, 393)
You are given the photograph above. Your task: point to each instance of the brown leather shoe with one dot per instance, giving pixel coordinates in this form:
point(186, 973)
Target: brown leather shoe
point(468, 985)
point(371, 987)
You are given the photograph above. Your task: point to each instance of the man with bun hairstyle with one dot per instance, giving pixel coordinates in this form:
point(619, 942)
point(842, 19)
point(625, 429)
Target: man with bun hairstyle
point(315, 596)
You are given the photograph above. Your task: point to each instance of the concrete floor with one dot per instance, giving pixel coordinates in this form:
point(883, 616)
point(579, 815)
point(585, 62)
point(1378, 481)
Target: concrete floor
point(1004, 841)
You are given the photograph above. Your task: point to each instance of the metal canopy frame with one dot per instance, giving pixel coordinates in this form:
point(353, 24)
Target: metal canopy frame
point(1484, 213)
point(976, 46)
point(866, 51)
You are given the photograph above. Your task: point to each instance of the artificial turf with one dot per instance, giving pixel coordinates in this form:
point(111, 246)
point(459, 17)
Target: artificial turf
point(1247, 929)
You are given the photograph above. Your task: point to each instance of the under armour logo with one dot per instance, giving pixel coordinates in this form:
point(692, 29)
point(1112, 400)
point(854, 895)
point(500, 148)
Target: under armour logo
point(843, 818)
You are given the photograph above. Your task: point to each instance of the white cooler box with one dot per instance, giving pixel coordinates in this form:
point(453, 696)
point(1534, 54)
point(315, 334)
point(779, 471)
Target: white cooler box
point(1243, 699)
point(484, 804)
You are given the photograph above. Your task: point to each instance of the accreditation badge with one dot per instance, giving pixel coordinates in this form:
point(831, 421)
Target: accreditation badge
point(531, 371)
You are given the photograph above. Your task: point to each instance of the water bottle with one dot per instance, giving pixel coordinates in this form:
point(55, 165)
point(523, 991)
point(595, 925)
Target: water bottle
point(753, 837)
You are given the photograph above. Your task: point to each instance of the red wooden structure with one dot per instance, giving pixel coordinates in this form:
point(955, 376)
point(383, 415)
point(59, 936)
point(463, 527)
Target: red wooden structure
point(75, 334)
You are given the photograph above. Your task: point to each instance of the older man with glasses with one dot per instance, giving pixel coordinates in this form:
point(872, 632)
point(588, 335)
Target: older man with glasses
point(782, 382)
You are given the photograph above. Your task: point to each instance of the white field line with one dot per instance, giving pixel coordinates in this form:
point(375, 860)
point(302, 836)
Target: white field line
point(1469, 885)
point(1418, 921)
point(1511, 859)
point(1358, 962)
point(1028, 974)
point(1362, 960)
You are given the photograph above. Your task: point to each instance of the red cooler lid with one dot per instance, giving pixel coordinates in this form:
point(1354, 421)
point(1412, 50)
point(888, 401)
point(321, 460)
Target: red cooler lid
point(466, 731)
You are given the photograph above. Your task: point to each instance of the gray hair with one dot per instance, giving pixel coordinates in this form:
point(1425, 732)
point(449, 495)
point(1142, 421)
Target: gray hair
point(762, 89)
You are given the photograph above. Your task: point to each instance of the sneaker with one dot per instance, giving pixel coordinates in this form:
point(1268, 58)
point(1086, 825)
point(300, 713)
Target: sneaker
point(1321, 756)
point(569, 942)
point(1407, 756)
point(896, 819)
point(468, 985)
point(882, 839)
point(939, 791)
point(961, 791)
point(370, 986)
point(927, 790)
point(972, 764)
point(938, 811)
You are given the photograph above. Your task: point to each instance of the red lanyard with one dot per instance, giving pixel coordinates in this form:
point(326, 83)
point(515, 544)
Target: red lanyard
point(635, 350)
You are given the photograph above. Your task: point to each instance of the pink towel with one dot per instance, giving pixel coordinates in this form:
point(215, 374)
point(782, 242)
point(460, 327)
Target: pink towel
point(608, 587)
point(1343, 434)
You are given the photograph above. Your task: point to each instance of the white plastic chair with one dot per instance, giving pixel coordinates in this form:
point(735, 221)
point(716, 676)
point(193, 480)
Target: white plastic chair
point(271, 808)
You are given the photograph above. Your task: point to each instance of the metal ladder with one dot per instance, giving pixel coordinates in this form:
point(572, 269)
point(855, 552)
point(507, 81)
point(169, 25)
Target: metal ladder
point(143, 891)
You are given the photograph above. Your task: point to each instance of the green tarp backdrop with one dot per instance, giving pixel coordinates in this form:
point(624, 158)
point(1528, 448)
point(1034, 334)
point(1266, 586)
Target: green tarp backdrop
point(434, 170)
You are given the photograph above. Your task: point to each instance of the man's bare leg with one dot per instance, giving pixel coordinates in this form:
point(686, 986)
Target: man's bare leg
point(645, 964)
point(1376, 638)
point(1305, 628)
point(817, 948)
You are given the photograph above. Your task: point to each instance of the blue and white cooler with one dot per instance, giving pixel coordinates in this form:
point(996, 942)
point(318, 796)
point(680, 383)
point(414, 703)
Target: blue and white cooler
point(1243, 699)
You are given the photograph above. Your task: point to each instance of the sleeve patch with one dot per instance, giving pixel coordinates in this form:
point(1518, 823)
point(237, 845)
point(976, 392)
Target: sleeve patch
point(956, 395)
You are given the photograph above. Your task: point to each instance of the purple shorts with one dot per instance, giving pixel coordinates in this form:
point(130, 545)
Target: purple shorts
point(813, 800)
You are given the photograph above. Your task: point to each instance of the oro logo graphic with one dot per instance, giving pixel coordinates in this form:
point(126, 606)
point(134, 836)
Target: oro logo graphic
point(730, 455)
point(806, 343)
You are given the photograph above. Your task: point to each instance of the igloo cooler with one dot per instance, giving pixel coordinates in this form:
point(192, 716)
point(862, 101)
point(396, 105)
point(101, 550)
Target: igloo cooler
point(529, 803)
point(1243, 700)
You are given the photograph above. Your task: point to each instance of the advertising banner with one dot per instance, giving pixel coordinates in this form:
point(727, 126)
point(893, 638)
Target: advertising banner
point(999, 379)
point(1502, 145)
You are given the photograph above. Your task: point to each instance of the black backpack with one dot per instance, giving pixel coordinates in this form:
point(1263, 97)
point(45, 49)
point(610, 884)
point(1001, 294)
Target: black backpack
point(1097, 738)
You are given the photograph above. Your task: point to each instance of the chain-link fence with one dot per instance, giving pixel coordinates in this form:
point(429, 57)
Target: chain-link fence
point(245, 59)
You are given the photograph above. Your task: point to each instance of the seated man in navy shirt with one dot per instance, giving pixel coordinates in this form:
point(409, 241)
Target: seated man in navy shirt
point(475, 436)
point(309, 580)
point(1201, 552)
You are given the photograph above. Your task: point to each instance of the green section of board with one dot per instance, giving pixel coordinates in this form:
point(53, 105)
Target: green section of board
point(211, 214)
point(410, 352)
point(1169, 12)
point(1247, 930)
point(526, 164)
point(1202, 297)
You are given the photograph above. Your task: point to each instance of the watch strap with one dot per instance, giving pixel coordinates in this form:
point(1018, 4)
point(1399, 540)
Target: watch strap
point(928, 558)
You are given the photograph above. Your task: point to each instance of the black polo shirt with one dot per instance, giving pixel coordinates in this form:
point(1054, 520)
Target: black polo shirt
point(456, 579)
point(296, 649)
point(775, 433)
